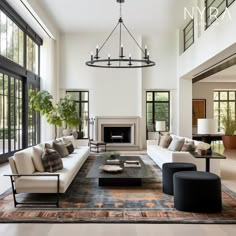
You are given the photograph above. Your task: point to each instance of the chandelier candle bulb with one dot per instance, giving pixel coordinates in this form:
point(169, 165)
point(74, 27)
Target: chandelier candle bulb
point(145, 51)
point(109, 60)
point(97, 51)
point(91, 56)
point(130, 60)
point(121, 51)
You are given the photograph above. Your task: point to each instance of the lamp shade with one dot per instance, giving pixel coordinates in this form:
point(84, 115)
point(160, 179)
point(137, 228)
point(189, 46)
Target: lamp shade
point(160, 126)
point(207, 126)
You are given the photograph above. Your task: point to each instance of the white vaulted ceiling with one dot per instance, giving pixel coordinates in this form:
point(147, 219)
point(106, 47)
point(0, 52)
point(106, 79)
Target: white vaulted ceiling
point(101, 15)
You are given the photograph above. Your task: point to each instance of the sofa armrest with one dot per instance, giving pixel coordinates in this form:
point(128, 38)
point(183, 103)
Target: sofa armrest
point(152, 142)
point(32, 175)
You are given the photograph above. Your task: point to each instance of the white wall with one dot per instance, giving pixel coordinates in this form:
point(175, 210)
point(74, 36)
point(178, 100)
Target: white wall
point(118, 92)
point(210, 46)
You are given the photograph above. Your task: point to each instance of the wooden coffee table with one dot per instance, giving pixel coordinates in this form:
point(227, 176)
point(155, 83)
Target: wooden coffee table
point(129, 176)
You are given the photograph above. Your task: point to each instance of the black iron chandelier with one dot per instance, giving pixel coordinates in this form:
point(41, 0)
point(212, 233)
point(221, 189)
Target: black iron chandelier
point(121, 61)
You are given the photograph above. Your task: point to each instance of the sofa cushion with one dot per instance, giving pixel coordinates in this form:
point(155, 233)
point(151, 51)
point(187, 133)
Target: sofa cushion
point(70, 147)
point(51, 160)
point(24, 162)
point(60, 147)
point(176, 144)
point(68, 139)
point(188, 146)
point(165, 141)
point(37, 153)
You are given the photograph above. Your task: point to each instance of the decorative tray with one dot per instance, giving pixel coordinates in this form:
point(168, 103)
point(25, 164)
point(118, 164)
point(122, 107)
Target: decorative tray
point(111, 168)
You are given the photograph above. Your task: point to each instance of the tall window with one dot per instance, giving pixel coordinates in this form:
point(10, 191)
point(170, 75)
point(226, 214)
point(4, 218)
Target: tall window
point(224, 101)
point(11, 113)
point(81, 99)
point(19, 60)
point(12, 40)
point(214, 8)
point(188, 35)
point(157, 109)
point(32, 55)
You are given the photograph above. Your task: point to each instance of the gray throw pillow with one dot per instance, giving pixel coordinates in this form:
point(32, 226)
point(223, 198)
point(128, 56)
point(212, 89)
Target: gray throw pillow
point(60, 147)
point(51, 160)
point(165, 141)
point(188, 146)
point(70, 147)
point(176, 144)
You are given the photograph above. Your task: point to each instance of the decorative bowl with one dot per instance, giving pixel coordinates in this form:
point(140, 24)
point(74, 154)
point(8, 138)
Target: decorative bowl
point(111, 168)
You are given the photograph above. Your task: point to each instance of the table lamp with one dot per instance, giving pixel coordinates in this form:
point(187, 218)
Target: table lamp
point(207, 127)
point(160, 126)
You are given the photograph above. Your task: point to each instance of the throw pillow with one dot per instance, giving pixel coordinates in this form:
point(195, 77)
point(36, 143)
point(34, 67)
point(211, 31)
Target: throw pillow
point(51, 160)
point(165, 141)
point(68, 139)
point(60, 148)
point(176, 144)
point(37, 153)
point(188, 146)
point(70, 147)
point(75, 134)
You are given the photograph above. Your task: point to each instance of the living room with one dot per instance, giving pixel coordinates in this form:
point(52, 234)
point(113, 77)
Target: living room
point(65, 35)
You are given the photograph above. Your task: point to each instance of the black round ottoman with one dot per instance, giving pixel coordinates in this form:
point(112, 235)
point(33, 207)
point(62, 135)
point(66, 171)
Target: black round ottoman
point(168, 170)
point(196, 191)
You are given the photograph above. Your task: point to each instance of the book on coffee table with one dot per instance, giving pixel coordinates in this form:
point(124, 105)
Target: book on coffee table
point(132, 164)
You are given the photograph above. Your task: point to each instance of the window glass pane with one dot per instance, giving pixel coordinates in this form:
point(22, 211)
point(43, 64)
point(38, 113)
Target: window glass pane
point(84, 96)
point(21, 47)
point(231, 95)
point(149, 108)
point(223, 96)
point(149, 96)
point(3, 34)
point(161, 96)
point(15, 44)
point(9, 39)
point(74, 95)
point(29, 54)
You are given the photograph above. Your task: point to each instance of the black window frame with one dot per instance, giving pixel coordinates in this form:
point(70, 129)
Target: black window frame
point(228, 100)
point(207, 17)
point(16, 70)
point(80, 102)
point(185, 35)
point(153, 102)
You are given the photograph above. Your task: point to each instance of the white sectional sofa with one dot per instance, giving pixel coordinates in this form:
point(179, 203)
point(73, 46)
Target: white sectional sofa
point(26, 179)
point(162, 155)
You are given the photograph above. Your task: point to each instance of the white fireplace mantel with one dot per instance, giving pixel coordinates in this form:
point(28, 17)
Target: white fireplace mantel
point(113, 121)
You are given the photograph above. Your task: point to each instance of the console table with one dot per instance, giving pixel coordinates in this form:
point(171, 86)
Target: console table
point(208, 157)
point(207, 138)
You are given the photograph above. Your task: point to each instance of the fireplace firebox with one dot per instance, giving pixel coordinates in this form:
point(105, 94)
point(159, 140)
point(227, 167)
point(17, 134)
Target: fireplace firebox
point(117, 134)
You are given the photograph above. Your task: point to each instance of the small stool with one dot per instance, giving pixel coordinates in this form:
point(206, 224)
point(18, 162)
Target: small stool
point(196, 191)
point(168, 170)
point(97, 144)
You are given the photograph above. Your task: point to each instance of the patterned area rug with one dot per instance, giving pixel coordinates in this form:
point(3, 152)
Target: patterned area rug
point(85, 201)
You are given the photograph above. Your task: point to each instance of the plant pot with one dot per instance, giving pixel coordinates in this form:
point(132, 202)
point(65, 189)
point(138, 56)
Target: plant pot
point(229, 141)
point(66, 132)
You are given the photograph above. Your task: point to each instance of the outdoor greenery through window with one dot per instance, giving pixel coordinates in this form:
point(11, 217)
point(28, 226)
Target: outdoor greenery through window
point(157, 109)
point(12, 40)
point(32, 55)
point(224, 101)
point(19, 72)
point(81, 99)
point(188, 35)
point(214, 8)
point(11, 113)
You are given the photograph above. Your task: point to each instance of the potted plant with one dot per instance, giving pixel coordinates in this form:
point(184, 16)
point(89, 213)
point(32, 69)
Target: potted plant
point(67, 111)
point(229, 125)
point(41, 101)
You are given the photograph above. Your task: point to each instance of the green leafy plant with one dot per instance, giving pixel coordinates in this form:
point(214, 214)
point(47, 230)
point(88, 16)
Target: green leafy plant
point(62, 112)
point(41, 101)
point(67, 111)
point(228, 122)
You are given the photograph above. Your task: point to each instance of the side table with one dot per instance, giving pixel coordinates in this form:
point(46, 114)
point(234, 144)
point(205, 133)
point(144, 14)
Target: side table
point(208, 157)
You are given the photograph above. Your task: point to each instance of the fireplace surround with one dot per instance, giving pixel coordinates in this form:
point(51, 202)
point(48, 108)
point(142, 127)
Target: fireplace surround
point(125, 131)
